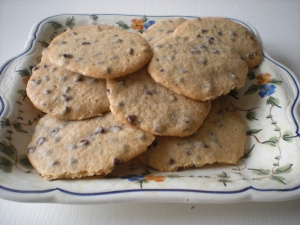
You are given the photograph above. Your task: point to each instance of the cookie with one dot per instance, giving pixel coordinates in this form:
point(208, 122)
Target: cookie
point(74, 149)
point(78, 30)
point(201, 68)
point(66, 95)
point(100, 53)
point(220, 139)
point(139, 101)
point(162, 29)
point(230, 33)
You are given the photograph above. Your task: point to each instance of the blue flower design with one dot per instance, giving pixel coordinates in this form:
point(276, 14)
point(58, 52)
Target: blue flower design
point(132, 177)
point(148, 24)
point(267, 90)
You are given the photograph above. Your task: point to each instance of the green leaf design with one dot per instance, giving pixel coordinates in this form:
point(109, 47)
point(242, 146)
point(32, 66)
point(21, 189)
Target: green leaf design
point(251, 115)
point(253, 131)
point(284, 169)
point(234, 93)
point(275, 164)
point(23, 73)
point(43, 43)
point(224, 181)
point(144, 19)
point(260, 172)
point(19, 128)
point(5, 122)
point(273, 101)
point(94, 17)
point(5, 164)
point(278, 179)
point(123, 25)
point(278, 157)
point(288, 136)
point(24, 161)
point(275, 81)
point(251, 75)
point(22, 93)
point(252, 89)
point(247, 154)
point(272, 141)
point(7, 149)
point(70, 22)
point(55, 25)
point(223, 175)
point(173, 176)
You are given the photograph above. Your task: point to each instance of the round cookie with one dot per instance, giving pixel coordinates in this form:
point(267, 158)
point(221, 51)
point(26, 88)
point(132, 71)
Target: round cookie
point(139, 101)
point(220, 139)
point(75, 149)
point(100, 53)
point(230, 33)
point(66, 95)
point(162, 29)
point(201, 68)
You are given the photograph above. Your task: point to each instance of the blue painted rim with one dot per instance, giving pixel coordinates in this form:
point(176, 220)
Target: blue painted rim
point(149, 190)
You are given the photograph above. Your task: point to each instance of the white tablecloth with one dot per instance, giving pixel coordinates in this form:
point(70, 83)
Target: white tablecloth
point(278, 23)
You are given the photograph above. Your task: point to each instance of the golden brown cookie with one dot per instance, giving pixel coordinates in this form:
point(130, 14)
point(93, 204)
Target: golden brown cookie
point(137, 100)
point(66, 95)
point(100, 53)
point(75, 149)
point(201, 68)
point(220, 139)
point(229, 32)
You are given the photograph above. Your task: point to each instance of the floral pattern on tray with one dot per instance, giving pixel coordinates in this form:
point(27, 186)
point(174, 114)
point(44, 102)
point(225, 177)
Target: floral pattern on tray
point(267, 103)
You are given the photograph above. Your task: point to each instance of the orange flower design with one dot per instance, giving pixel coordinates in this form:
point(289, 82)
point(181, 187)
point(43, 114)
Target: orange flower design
point(263, 79)
point(155, 178)
point(137, 24)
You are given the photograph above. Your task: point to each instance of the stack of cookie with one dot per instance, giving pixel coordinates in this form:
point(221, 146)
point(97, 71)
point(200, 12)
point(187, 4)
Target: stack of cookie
point(163, 89)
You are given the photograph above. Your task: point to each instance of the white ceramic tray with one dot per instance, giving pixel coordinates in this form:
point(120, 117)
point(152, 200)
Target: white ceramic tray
point(269, 170)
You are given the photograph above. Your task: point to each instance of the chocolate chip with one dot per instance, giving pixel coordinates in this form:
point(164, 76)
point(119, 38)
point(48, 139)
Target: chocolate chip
point(72, 161)
point(46, 92)
point(66, 98)
point(169, 31)
point(115, 128)
point(220, 33)
point(117, 162)
point(198, 36)
point(179, 169)
point(40, 141)
point(203, 31)
point(35, 82)
point(68, 56)
point(170, 58)
point(107, 91)
point(148, 93)
point(78, 78)
point(214, 51)
point(67, 89)
point(188, 151)
point(44, 66)
point(171, 161)
point(99, 130)
point(55, 163)
point(30, 150)
point(232, 33)
point(53, 131)
point(202, 61)
point(161, 70)
point(85, 43)
point(65, 110)
point(131, 119)
point(108, 70)
point(62, 43)
point(71, 147)
point(35, 68)
point(118, 41)
point(194, 51)
point(130, 51)
point(73, 33)
point(82, 143)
